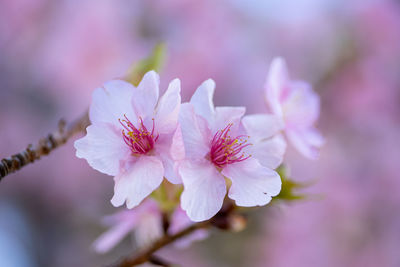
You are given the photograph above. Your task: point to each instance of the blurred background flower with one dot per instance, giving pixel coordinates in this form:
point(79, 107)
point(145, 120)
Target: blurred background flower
point(54, 53)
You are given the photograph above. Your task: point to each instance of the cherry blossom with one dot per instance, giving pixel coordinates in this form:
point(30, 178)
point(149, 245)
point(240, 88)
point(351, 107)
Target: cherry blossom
point(298, 107)
point(132, 136)
point(216, 147)
point(145, 222)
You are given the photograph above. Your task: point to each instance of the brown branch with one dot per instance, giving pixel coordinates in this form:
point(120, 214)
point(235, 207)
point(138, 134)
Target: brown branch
point(159, 261)
point(226, 219)
point(147, 254)
point(45, 145)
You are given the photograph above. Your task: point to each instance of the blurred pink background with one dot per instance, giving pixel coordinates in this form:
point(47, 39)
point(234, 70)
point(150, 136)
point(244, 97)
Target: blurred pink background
point(54, 53)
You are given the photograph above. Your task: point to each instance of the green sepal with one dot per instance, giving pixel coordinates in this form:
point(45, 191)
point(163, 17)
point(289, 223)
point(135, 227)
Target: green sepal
point(289, 186)
point(153, 62)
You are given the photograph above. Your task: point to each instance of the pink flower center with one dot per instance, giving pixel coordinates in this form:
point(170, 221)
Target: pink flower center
point(226, 150)
point(140, 141)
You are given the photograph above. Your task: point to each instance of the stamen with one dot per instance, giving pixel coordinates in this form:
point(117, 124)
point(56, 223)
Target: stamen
point(226, 150)
point(140, 141)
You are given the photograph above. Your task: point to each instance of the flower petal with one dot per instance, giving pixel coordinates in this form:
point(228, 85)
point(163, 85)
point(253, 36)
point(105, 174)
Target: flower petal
point(268, 152)
point(276, 84)
point(301, 108)
point(137, 182)
point(196, 135)
point(261, 126)
point(252, 184)
point(177, 149)
point(179, 220)
point(224, 116)
point(170, 149)
point(167, 111)
point(145, 96)
point(204, 190)
point(103, 148)
point(176, 154)
point(123, 225)
point(307, 142)
point(149, 229)
point(111, 102)
point(202, 100)
point(170, 169)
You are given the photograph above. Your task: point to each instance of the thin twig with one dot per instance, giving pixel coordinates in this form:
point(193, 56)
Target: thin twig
point(45, 145)
point(147, 254)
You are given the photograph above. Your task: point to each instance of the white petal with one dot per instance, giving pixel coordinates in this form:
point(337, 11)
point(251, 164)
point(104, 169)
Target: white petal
point(252, 184)
point(269, 152)
point(307, 142)
point(168, 108)
point(112, 102)
point(202, 100)
point(103, 147)
point(196, 135)
point(145, 96)
point(204, 190)
point(277, 81)
point(224, 116)
point(137, 182)
point(261, 126)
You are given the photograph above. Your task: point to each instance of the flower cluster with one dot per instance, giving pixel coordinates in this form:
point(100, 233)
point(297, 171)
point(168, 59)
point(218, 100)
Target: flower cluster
point(141, 138)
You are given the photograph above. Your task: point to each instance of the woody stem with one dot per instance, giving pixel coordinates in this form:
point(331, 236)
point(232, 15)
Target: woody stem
point(45, 145)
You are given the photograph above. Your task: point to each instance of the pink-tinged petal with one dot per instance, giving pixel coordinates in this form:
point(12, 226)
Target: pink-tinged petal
point(147, 206)
point(268, 152)
point(149, 229)
point(138, 181)
point(170, 169)
point(262, 126)
point(202, 100)
point(177, 149)
point(126, 221)
point(204, 190)
point(115, 234)
point(172, 155)
point(277, 85)
point(195, 132)
point(252, 183)
point(301, 108)
point(112, 102)
point(145, 96)
point(314, 137)
point(225, 115)
point(179, 221)
point(167, 111)
point(103, 148)
point(197, 235)
point(307, 142)
point(170, 149)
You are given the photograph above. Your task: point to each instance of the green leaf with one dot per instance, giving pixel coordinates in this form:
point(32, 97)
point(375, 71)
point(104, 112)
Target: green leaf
point(153, 62)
